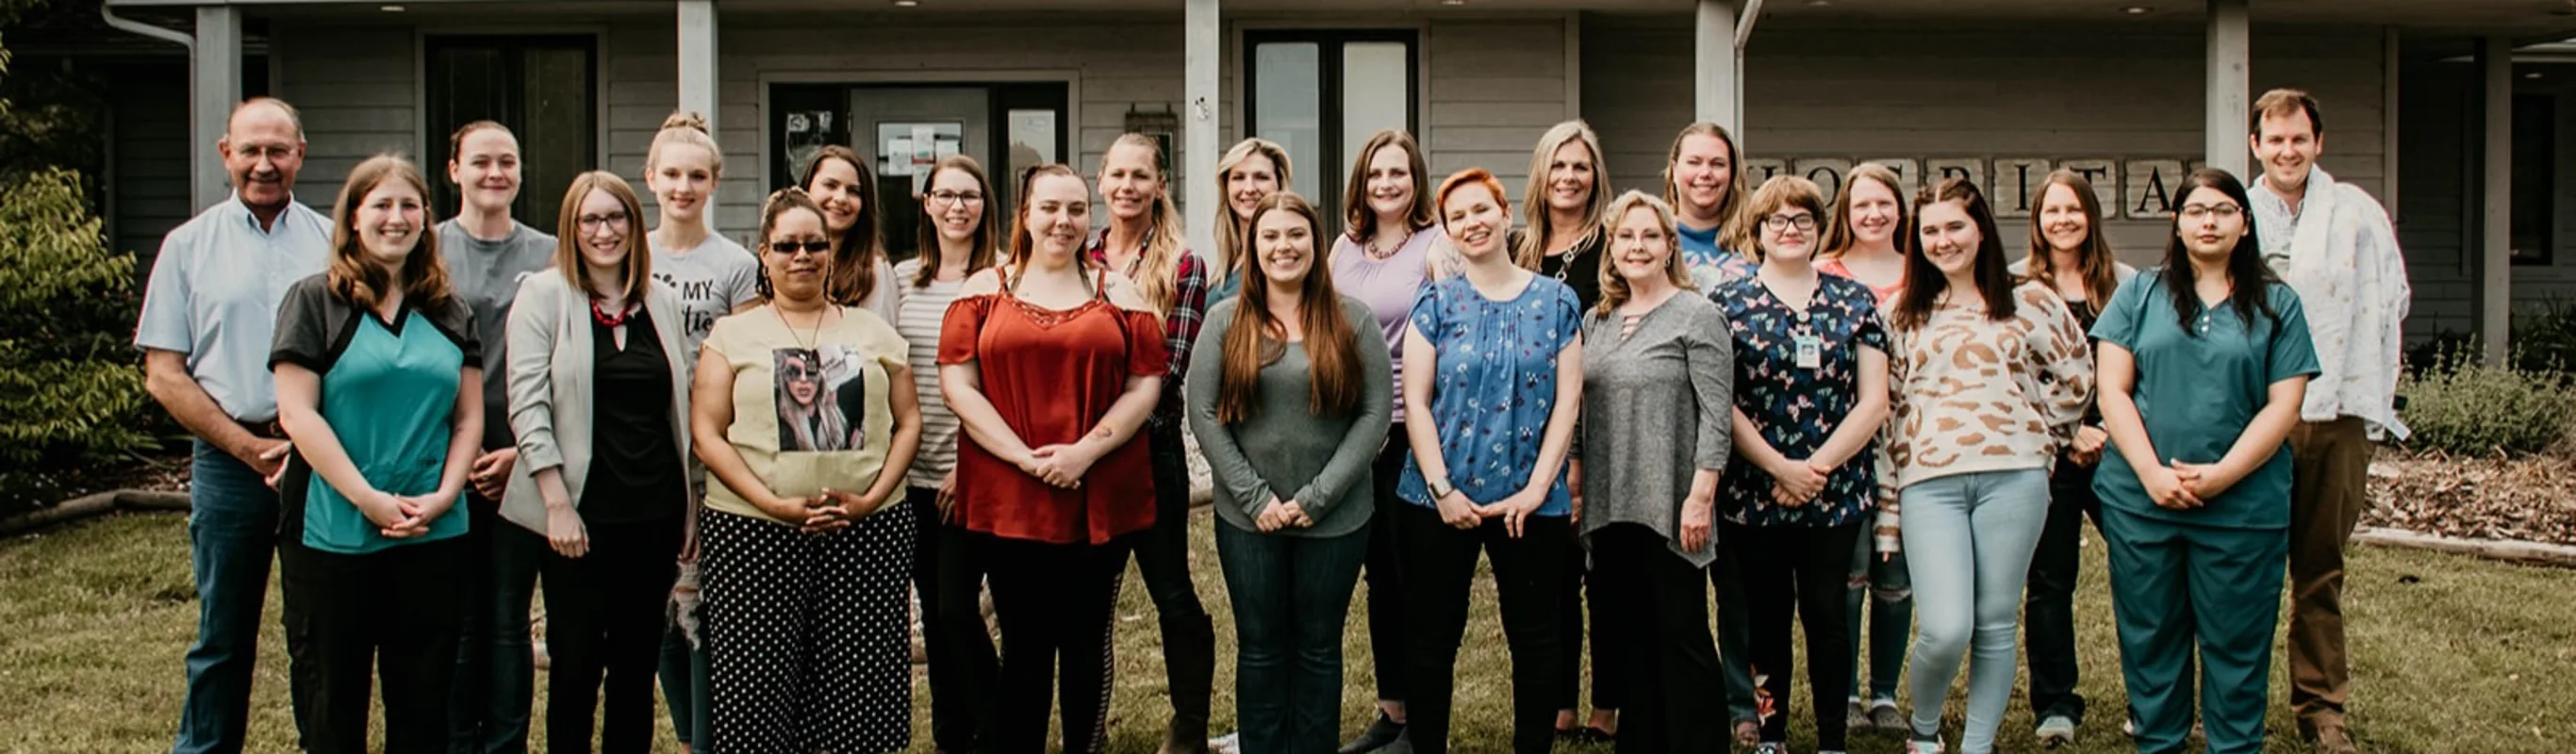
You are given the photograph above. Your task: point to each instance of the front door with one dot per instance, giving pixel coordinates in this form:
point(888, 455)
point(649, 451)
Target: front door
point(903, 129)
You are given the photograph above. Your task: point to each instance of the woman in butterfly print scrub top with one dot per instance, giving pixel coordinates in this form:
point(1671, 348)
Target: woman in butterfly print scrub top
point(806, 554)
point(1490, 402)
point(1811, 392)
point(1868, 231)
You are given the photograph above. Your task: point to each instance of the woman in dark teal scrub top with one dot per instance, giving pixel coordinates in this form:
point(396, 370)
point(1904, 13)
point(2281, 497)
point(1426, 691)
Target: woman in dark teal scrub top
point(2203, 364)
point(379, 385)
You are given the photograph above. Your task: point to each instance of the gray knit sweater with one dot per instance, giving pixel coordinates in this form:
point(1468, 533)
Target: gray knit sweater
point(1285, 450)
point(1656, 409)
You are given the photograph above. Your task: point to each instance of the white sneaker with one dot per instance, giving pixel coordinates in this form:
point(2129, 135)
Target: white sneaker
point(1771, 747)
point(2056, 731)
point(1919, 746)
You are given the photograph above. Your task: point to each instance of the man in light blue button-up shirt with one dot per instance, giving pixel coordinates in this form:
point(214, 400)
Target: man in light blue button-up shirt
point(208, 315)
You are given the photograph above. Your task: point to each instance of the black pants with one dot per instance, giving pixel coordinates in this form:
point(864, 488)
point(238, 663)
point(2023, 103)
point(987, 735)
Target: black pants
point(948, 575)
point(397, 611)
point(1055, 604)
point(1163, 557)
point(1384, 572)
point(1801, 573)
point(1439, 568)
point(2048, 603)
point(1609, 667)
point(605, 614)
point(1657, 607)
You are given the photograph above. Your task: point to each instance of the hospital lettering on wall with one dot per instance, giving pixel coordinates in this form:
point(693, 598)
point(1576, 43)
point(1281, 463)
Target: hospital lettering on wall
point(2130, 188)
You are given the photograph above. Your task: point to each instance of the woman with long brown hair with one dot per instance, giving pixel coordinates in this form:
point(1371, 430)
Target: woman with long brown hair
point(1052, 367)
point(847, 190)
point(1301, 403)
point(1383, 261)
point(2070, 255)
point(960, 235)
point(1250, 172)
point(1142, 243)
point(379, 387)
point(1865, 235)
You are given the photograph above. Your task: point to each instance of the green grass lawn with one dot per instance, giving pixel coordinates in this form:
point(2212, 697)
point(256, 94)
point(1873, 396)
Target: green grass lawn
point(2451, 655)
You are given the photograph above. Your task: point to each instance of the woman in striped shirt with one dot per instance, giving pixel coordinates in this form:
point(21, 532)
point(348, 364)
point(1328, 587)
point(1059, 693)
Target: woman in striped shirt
point(959, 217)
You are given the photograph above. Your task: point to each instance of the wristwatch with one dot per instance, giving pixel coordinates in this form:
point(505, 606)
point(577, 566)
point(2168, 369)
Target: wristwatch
point(1439, 488)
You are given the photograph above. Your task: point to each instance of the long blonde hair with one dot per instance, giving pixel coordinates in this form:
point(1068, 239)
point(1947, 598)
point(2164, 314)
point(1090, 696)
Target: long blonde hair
point(1229, 229)
point(1161, 259)
point(1534, 206)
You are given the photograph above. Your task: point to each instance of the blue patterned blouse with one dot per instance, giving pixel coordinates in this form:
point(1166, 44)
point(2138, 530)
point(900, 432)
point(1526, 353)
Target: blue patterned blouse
point(1494, 386)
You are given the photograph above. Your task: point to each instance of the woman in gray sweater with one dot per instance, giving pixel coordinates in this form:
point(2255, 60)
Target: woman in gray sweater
point(1290, 406)
point(1658, 374)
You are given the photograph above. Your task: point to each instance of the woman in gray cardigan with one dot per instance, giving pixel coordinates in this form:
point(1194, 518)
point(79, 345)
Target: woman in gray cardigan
point(599, 381)
point(1658, 373)
point(1290, 405)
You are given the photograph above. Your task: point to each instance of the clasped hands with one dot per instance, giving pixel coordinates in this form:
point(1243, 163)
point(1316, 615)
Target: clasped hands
point(1458, 511)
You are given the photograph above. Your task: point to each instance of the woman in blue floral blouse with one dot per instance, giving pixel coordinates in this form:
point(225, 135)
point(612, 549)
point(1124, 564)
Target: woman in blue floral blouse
point(1811, 377)
point(1496, 379)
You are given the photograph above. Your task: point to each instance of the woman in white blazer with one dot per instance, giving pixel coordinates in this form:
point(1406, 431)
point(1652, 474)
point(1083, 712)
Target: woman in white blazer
point(599, 379)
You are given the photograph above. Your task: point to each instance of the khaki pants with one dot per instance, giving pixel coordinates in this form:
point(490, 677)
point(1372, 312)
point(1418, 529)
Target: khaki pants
point(2330, 487)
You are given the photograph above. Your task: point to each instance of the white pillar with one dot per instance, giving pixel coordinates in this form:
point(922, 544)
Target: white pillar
point(697, 58)
point(214, 86)
point(1201, 57)
point(1713, 69)
point(2230, 36)
point(2495, 238)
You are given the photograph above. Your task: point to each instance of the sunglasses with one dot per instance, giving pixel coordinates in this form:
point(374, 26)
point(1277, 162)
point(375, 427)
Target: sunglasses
point(792, 248)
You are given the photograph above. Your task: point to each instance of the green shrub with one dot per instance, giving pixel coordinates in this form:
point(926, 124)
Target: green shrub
point(2458, 406)
point(70, 388)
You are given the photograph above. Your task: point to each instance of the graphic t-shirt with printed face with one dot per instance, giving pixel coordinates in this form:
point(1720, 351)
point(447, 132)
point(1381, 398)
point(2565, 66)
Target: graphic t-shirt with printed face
point(712, 278)
point(810, 407)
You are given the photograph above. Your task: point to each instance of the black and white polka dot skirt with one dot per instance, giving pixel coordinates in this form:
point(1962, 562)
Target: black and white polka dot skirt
point(806, 635)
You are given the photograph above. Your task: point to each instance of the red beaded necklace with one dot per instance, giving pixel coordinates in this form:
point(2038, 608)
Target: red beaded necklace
point(606, 319)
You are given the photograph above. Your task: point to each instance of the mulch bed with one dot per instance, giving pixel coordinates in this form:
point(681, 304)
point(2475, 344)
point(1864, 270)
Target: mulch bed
point(2530, 499)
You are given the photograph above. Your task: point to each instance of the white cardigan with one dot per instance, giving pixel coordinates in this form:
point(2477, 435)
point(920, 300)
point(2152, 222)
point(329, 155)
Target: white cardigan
point(551, 385)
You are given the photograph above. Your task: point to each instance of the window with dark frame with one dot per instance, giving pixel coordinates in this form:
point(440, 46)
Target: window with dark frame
point(544, 88)
point(1322, 93)
point(2535, 178)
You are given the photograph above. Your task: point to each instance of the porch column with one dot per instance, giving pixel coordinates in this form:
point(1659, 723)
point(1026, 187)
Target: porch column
point(1713, 71)
point(214, 87)
point(2230, 34)
point(698, 58)
point(1202, 55)
point(2495, 236)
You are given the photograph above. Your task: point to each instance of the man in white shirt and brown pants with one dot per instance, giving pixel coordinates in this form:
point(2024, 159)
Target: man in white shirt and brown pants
point(2335, 246)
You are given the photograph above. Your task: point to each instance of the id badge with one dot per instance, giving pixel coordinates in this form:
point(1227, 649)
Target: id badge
point(1811, 352)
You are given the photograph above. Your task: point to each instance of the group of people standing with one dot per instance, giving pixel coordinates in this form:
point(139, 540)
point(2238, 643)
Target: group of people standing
point(731, 467)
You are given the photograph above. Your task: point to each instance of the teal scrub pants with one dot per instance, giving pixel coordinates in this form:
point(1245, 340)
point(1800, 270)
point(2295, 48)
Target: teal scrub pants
point(2176, 589)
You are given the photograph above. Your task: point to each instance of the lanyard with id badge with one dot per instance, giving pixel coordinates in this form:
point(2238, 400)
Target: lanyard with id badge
point(1810, 349)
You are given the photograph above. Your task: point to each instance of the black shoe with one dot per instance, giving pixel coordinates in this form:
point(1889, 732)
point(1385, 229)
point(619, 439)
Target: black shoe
point(1379, 734)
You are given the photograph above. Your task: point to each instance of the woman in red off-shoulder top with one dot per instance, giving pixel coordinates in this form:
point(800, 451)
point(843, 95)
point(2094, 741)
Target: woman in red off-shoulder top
point(1052, 367)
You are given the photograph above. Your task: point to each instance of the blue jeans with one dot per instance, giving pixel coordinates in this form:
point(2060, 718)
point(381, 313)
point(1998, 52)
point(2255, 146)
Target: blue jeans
point(1886, 587)
point(232, 534)
point(1290, 596)
point(1972, 537)
point(495, 662)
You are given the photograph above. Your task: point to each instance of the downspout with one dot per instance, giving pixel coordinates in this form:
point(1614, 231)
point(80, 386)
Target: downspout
point(1744, 25)
point(108, 13)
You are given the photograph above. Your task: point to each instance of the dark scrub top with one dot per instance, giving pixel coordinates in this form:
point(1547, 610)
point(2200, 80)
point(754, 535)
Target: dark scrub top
point(2198, 391)
point(1799, 408)
point(389, 393)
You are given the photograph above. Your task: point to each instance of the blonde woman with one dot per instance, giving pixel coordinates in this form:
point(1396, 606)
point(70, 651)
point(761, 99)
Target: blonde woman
point(1705, 186)
point(1863, 238)
point(1247, 174)
point(1143, 243)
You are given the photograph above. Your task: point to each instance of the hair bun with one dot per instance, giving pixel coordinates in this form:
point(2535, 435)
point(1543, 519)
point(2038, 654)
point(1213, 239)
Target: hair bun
point(689, 119)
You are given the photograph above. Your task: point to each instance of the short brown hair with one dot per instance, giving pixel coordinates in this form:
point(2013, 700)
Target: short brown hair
point(363, 283)
point(2280, 103)
point(1355, 207)
point(639, 257)
point(1780, 193)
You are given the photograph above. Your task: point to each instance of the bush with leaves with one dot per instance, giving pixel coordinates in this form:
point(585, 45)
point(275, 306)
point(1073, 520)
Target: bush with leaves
point(2458, 406)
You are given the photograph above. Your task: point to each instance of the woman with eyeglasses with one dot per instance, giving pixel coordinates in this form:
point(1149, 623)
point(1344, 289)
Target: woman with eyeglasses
point(960, 235)
point(2070, 255)
point(807, 548)
point(1811, 392)
point(599, 394)
point(2203, 364)
point(1052, 366)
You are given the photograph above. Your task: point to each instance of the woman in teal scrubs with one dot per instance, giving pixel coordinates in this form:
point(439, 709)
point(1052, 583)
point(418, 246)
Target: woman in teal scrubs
point(2203, 364)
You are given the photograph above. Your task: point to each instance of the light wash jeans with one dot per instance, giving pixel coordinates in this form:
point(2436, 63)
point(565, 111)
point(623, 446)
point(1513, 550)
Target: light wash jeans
point(1970, 538)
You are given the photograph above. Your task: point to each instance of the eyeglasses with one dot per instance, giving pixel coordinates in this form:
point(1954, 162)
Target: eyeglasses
point(2221, 210)
point(592, 222)
point(272, 152)
point(792, 248)
point(1776, 223)
point(954, 198)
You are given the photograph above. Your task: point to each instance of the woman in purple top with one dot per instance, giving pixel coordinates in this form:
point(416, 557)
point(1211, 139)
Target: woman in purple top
point(1383, 261)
